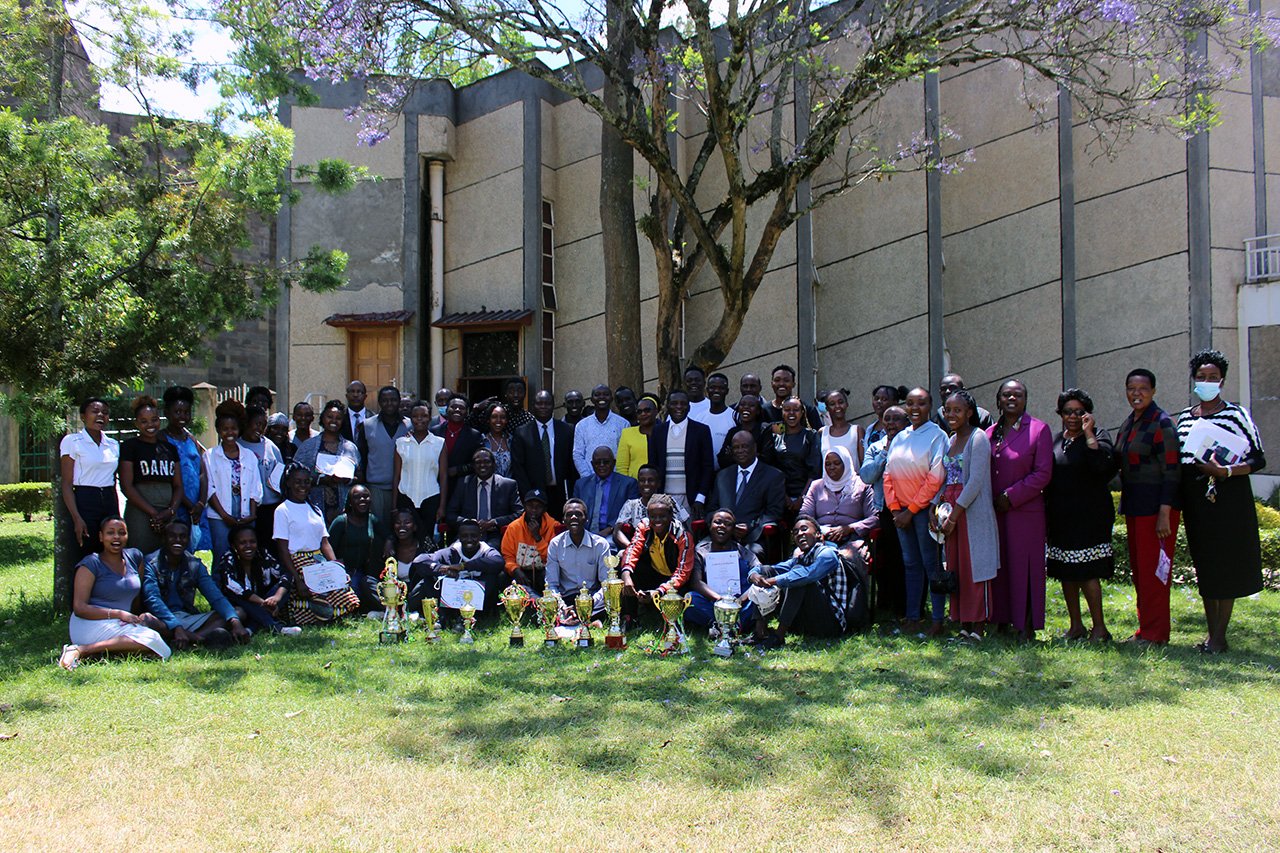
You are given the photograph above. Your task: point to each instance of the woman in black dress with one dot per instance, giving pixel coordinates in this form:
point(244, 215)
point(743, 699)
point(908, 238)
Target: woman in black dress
point(1080, 513)
point(1217, 501)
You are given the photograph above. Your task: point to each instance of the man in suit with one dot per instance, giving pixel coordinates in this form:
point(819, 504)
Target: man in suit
point(684, 443)
point(753, 490)
point(460, 441)
point(604, 492)
point(542, 455)
point(357, 414)
point(488, 497)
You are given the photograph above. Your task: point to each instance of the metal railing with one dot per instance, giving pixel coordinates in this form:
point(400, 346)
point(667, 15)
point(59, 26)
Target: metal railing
point(1262, 258)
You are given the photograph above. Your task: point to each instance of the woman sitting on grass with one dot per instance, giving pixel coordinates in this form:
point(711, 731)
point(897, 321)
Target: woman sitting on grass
point(255, 585)
point(105, 587)
point(302, 540)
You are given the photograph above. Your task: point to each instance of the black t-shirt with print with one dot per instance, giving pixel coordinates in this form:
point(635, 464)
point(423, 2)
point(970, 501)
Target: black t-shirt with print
point(152, 463)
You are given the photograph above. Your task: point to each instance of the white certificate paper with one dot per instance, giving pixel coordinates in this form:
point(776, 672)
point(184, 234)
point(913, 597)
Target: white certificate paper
point(324, 576)
point(451, 590)
point(722, 573)
point(1206, 440)
point(335, 466)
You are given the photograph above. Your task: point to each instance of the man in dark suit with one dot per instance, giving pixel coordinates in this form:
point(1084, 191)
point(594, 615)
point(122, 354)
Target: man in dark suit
point(357, 414)
point(460, 441)
point(542, 455)
point(486, 496)
point(753, 490)
point(604, 492)
point(692, 484)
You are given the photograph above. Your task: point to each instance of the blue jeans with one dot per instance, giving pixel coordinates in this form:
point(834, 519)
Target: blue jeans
point(219, 532)
point(921, 559)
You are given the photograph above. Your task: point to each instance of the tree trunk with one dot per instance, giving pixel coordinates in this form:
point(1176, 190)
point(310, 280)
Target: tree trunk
point(64, 551)
point(619, 239)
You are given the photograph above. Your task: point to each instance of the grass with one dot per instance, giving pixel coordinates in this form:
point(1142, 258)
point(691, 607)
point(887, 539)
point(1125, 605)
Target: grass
point(328, 741)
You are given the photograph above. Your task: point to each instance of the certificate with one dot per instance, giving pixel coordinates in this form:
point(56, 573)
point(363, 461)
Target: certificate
point(527, 556)
point(335, 466)
point(451, 590)
point(1207, 441)
point(722, 573)
point(324, 576)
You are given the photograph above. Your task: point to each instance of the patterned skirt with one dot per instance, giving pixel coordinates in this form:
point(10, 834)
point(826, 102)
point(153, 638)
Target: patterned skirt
point(321, 608)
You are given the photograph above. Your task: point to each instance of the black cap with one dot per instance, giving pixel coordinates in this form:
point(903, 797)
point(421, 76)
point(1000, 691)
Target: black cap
point(535, 495)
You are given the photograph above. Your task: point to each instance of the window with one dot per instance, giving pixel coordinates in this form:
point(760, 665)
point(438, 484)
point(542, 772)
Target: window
point(548, 298)
point(489, 359)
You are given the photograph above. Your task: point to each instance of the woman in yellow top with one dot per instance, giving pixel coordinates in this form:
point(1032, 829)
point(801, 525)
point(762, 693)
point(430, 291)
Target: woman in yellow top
point(633, 445)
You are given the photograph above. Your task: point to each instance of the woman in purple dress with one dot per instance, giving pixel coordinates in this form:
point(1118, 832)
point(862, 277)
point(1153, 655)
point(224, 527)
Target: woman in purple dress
point(1021, 466)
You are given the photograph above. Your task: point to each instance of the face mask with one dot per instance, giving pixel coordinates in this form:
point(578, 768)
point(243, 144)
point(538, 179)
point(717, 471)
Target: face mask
point(822, 408)
point(1207, 391)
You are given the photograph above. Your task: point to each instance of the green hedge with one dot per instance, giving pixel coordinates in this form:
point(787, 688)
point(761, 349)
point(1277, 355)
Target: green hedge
point(26, 498)
point(1184, 571)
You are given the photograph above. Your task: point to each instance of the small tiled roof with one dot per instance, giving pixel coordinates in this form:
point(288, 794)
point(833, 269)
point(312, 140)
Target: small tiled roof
point(480, 319)
point(375, 318)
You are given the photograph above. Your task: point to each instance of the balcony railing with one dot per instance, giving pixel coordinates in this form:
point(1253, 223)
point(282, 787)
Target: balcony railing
point(1262, 258)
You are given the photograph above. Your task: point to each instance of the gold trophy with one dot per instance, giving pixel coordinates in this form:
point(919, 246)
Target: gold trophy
point(514, 601)
point(468, 614)
point(613, 638)
point(583, 604)
point(726, 613)
point(549, 608)
point(431, 618)
point(392, 592)
point(672, 607)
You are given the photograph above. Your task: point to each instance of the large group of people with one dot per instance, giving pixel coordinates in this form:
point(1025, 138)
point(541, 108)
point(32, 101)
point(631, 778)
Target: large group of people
point(946, 506)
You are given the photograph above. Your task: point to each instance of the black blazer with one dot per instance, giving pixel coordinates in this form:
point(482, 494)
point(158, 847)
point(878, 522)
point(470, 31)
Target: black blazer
point(762, 499)
point(699, 458)
point(527, 466)
point(504, 501)
point(469, 441)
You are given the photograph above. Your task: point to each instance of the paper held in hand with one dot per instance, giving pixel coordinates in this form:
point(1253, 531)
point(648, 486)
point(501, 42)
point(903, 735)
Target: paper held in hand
point(324, 576)
point(335, 466)
point(722, 572)
point(527, 556)
point(451, 590)
point(1208, 441)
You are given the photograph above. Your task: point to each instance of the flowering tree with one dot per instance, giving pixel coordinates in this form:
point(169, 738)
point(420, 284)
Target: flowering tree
point(735, 73)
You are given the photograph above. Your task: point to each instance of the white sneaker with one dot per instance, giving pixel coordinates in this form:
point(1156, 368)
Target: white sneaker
point(290, 631)
point(70, 658)
point(375, 614)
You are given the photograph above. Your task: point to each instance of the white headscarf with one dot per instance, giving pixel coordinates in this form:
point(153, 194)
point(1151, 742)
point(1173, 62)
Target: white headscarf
point(835, 487)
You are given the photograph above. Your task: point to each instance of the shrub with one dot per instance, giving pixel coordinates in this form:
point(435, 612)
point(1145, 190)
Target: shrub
point(1184, 571)
point(26, 498)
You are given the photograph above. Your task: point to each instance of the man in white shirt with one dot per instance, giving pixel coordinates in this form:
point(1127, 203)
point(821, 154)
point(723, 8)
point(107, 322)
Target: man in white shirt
point(575, 557)
point(601, 428)
point(357, 414)
point(695, 382)
point(717, 415)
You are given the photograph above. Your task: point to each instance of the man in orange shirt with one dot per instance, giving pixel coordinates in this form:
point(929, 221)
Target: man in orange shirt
point(534, 528)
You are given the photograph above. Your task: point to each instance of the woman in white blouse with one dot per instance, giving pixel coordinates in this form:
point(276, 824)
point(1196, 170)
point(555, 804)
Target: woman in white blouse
point(89, 460)
point(420, 477)
point(235, 484)
point(840, 432)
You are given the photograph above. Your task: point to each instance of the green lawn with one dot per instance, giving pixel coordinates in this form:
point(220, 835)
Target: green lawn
point(328, 741)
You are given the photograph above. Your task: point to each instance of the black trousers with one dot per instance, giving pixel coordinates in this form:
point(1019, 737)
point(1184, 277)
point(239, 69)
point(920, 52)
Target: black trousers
point(807, 610)
point(94, 504)
point(890, 573)
point(645, 578)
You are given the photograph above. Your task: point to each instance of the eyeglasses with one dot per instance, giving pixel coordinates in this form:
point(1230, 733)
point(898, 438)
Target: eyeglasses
point(1072, 413)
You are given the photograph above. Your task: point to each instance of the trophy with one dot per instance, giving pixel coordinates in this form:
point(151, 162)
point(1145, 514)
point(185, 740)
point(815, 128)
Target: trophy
point(514, 600)
point(431, 619)
point(468, 614)
point(392, 592)
point(549, 609)
point(726, 613)
point(672, 607)
point(583, 604)
point(613, 638)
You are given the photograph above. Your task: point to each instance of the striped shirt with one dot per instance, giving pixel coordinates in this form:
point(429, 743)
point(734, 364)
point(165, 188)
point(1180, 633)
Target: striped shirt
point(1234, 419)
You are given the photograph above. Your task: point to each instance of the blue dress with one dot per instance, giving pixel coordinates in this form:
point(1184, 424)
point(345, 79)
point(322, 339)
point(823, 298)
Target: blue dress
point(189, 458)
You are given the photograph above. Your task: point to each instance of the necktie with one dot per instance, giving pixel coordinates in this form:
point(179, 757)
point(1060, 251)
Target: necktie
point(482, 505)
point(742, 484)
point(546, 456)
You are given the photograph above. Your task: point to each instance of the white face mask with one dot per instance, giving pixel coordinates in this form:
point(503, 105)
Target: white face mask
point(1207, 391)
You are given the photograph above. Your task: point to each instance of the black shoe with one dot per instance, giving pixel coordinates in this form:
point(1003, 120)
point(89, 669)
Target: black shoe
point(772, 641)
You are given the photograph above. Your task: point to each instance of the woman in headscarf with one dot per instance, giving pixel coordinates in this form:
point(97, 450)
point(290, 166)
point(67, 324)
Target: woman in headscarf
point(843, 505)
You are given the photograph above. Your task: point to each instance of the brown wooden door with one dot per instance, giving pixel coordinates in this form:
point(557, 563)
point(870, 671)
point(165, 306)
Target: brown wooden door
point(374, 357)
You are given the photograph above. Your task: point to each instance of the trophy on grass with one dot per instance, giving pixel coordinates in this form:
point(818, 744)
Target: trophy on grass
point(613, 638)
point(392, 592)
point(672, 607)
point(431, 619)
point(514, 601)
point(468, 613)
point(584, 605)
point(726, 613)
point(548, 609)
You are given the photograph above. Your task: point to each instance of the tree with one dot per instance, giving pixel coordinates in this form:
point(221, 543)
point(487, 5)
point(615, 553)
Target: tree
point(1126, 64)
point(122, 250)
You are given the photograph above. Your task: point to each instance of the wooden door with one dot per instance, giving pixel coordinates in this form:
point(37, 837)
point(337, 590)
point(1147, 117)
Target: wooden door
point(374, 357)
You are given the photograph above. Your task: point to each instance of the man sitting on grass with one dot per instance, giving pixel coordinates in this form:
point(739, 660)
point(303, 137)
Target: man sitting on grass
point(814, 588)
point(172, 576)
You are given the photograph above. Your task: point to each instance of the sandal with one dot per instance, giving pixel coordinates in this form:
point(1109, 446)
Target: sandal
point(70, 657)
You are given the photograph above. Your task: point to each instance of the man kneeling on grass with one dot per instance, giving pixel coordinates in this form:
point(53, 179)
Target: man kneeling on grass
point(814, 588)
point(173, 575)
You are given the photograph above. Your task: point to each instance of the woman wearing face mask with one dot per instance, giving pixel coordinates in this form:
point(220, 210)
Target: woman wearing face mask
point(1217, 501)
